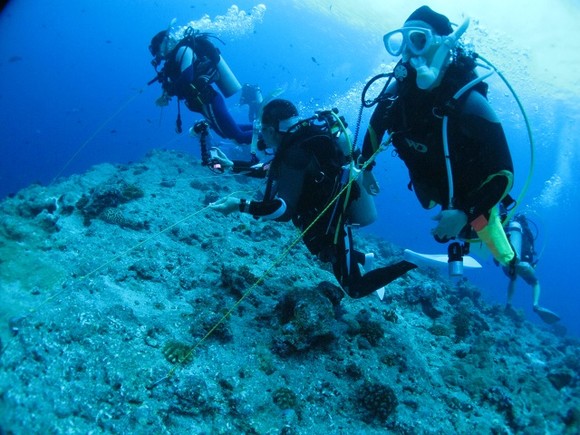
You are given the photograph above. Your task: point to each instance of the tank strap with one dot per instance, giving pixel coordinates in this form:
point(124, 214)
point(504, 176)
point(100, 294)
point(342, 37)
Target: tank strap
point(178, 122)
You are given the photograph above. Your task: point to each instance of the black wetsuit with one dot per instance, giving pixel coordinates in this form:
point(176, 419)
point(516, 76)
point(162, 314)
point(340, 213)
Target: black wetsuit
point(301, 183)
point(480, 158)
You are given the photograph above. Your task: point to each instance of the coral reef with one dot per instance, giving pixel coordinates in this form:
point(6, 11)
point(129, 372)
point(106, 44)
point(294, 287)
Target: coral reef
point(461, 324)
point(177, 353)
point(116, 217)
point(105, 197)
point(372, 331)
point(424, 294)
point(439, 330)
point(292, 355)
point(307, 319)
point(237, 279)
point(377, 400)
point(285, 398)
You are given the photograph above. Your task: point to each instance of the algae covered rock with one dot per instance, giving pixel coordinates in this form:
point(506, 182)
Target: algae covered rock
point(107, 196)
point(307, 318)
point(378, 401)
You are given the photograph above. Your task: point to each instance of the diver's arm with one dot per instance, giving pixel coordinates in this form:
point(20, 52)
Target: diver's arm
point(374, 134)
point(378, 124)
point(288, 184)
point(478, 205)
point(252, 168)
point(205, 67)
point(184, 58)
point(477, 105)
point(270, 209)
point(285, 195)
point(372, 141)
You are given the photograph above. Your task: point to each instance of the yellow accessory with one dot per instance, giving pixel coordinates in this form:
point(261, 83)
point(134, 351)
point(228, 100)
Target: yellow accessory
point(494, 237)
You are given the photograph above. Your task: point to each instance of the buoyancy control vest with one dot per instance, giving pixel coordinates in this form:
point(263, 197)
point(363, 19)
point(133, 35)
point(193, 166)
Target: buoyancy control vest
point(314, 146)
point(415, 118)
point(204, 70)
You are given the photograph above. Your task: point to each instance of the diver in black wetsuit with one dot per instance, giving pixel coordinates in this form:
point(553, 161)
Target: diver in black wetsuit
point(412, 108)
point(301, 181)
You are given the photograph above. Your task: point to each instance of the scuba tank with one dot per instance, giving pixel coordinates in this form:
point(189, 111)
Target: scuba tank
point(344, 141)
point(514, 232)
point(226, 81)
point(361, 211)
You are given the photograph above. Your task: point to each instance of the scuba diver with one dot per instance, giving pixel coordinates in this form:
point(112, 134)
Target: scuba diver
point(191, 65)
point(307, 183)
point(522, 240)
point(445, 131)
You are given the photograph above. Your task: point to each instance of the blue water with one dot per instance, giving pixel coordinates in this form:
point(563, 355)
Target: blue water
point(73, 94)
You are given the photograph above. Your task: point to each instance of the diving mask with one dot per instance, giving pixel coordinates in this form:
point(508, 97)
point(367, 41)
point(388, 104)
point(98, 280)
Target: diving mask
point(427, 52)
point(418, 40)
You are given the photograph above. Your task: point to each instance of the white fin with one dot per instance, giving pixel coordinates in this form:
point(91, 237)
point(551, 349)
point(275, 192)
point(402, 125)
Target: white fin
point(381, 293)
point(435, 260)
point(546, 315)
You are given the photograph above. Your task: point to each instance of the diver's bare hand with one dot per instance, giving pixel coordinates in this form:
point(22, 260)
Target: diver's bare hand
point(163, 100)
point(451, 222)
point(226, 205)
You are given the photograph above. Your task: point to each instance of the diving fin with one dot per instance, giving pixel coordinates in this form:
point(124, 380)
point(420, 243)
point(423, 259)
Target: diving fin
point(368, 266)
point(546, 315)
point(381, 293)
point(437, 260)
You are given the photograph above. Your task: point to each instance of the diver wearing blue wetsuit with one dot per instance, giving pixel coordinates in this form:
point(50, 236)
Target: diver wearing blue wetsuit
point(192, 65)
point(302, 180)
point(412, 110)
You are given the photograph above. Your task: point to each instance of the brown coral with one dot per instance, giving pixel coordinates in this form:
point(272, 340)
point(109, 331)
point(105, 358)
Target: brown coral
point(377, 400)
point(177, 353)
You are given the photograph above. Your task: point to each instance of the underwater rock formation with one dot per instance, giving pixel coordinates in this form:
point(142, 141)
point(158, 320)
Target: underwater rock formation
point(185, 324)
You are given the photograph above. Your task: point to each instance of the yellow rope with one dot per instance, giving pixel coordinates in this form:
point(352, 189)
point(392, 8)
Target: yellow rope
point(275, 263)
point(97, 131)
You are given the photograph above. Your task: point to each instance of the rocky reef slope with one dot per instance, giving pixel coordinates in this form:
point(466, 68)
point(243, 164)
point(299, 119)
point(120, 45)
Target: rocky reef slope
point(129, 307)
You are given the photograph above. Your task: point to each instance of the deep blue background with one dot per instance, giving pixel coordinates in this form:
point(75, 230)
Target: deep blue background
point(73, 94)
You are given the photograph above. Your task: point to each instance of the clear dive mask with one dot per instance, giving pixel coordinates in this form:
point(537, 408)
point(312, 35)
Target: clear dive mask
point(418, 40)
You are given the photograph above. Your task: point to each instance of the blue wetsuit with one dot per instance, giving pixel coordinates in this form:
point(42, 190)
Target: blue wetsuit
point(191, 70)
